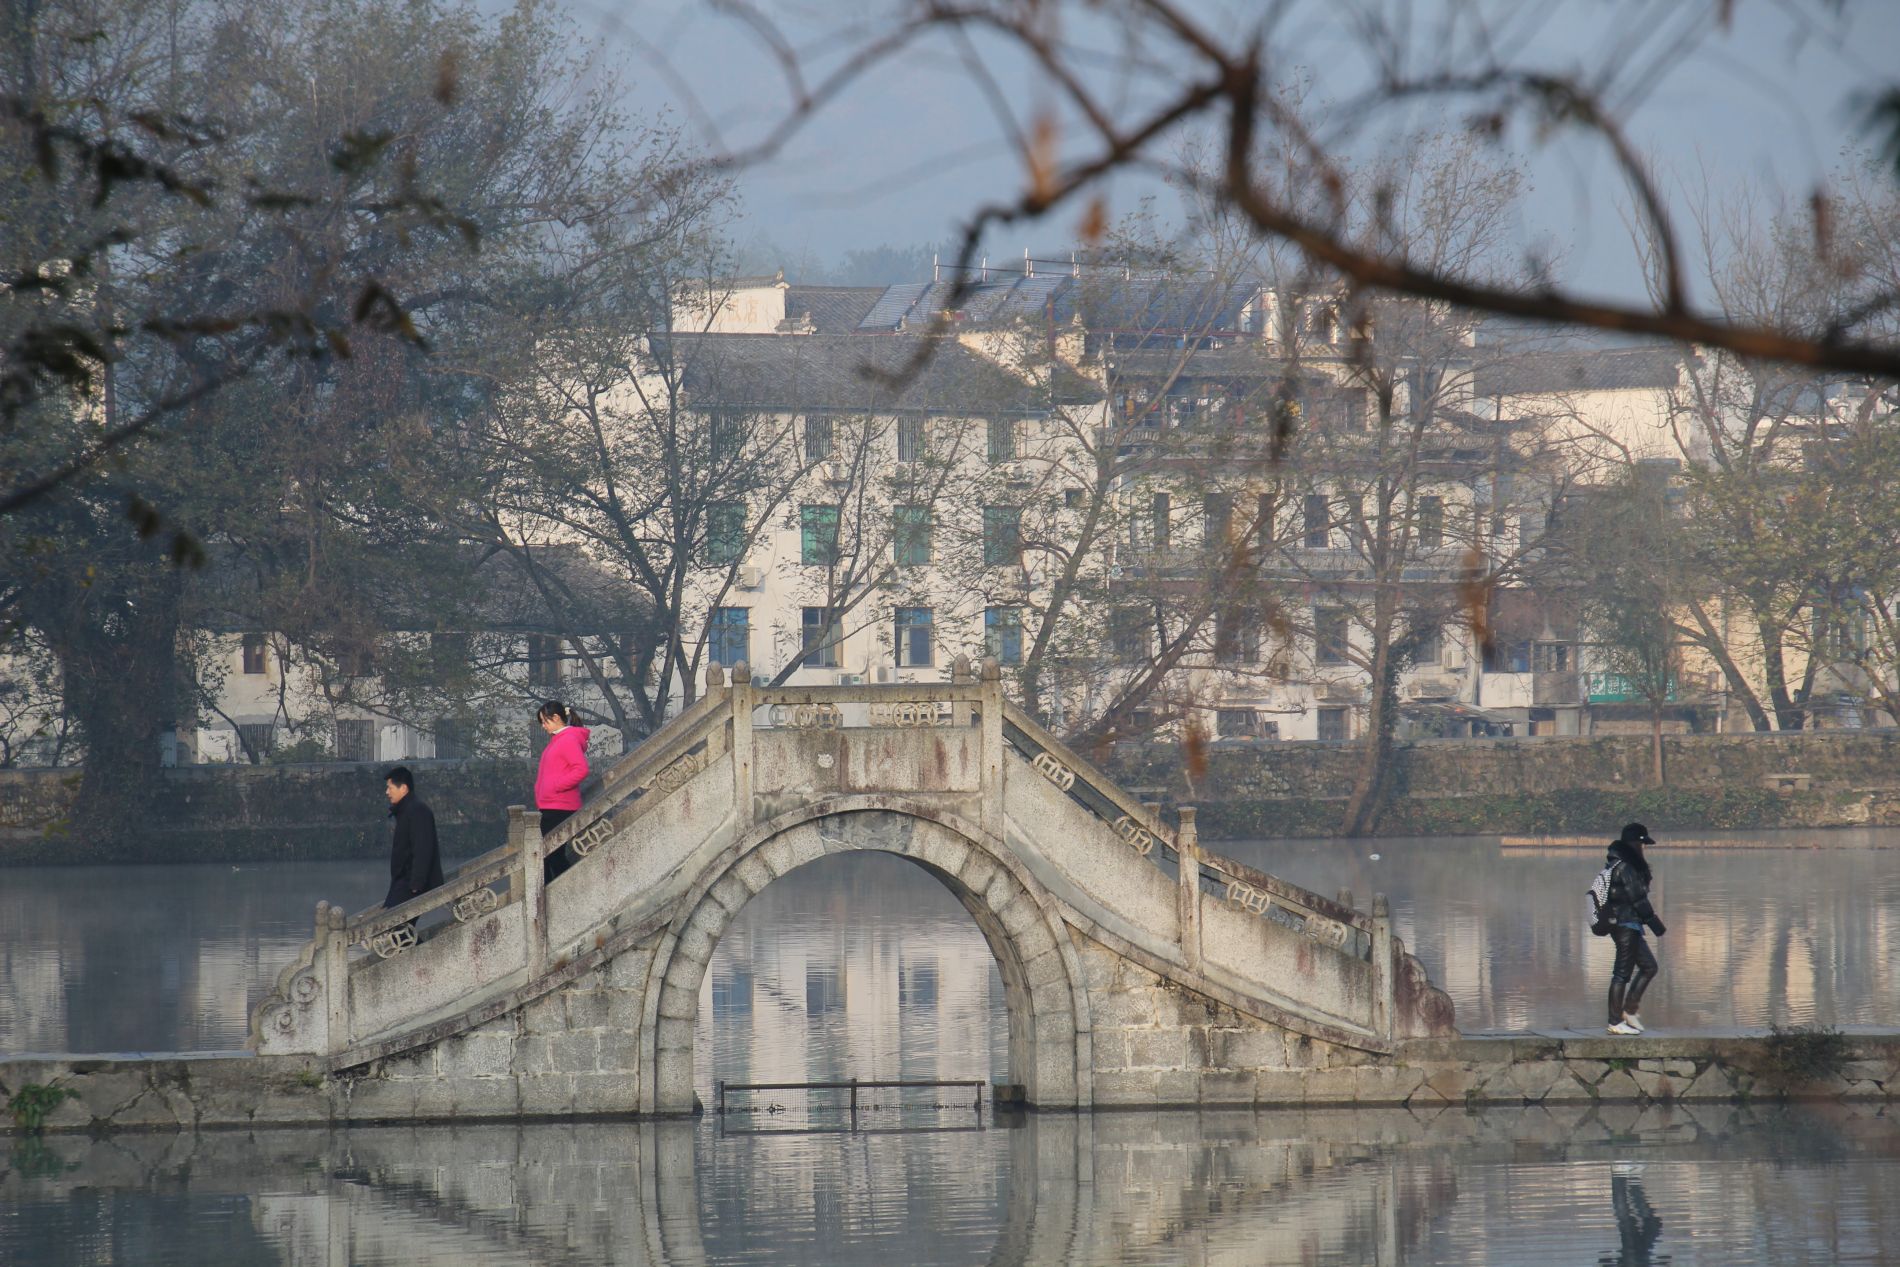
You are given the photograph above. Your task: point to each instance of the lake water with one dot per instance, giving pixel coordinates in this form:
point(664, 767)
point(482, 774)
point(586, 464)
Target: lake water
point(863, 966)
point(819, 970)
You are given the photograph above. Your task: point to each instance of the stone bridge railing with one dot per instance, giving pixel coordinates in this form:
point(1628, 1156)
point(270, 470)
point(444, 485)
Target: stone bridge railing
point(497, 914)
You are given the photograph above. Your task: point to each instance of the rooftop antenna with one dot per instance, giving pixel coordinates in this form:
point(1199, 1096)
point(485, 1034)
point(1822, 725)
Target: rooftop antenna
point(936, 269)
point(986, 269)
point(1029, 265)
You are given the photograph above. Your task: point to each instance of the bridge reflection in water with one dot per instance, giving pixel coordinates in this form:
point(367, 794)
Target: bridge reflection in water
point(1728, 1185)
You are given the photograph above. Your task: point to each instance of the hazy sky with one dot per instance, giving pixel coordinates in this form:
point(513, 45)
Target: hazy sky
point(909, 151)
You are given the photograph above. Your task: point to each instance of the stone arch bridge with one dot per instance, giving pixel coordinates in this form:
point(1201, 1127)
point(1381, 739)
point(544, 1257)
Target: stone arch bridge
point(1137, 968)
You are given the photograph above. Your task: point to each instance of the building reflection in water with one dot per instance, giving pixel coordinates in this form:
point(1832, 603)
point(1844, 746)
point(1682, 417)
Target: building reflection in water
point(1725, 1185)
point(851, 967)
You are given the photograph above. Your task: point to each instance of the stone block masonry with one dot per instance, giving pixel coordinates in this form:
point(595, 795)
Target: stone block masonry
point(501, 1073)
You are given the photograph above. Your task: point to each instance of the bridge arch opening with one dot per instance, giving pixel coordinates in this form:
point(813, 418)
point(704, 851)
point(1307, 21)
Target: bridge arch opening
point(854, 965)
point(1043, 999)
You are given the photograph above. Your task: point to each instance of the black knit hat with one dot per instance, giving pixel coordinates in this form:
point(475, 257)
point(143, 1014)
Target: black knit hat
point(1637, 834)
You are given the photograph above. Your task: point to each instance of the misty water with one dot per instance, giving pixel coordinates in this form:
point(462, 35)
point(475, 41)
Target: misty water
point(864, 966)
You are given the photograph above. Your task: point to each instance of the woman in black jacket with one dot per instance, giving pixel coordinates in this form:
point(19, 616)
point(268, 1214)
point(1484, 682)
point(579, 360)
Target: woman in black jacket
point(1629, 911)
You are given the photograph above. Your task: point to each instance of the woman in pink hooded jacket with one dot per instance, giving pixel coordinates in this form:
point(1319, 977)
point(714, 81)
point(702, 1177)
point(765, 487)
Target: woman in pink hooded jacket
point(557, 784)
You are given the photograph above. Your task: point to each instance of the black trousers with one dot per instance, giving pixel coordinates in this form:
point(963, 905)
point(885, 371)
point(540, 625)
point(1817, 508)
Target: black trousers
point(560, 860)
point(1635, 965)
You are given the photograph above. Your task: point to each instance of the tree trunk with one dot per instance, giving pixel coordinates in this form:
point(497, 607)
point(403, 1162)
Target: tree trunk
point(122, 685)
point(1656, 744)
point(1788, 715)
point(1371, 779)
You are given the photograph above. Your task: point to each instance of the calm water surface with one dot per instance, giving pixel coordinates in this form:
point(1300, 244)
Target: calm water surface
point(821, 967)
point(1718, 1186)
point(863, 966)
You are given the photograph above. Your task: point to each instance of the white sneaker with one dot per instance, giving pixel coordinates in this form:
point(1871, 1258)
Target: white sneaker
point(1622, 1027)
point(1634, 1021)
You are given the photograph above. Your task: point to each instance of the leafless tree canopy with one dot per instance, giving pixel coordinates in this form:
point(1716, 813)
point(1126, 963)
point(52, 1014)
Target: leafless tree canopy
point(1220, 103)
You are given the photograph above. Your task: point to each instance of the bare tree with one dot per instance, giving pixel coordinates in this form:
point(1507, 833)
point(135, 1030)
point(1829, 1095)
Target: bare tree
point(1125, 86)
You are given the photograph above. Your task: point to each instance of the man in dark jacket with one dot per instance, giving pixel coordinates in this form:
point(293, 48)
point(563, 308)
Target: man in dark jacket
point(1629, 910)
point(415, 861)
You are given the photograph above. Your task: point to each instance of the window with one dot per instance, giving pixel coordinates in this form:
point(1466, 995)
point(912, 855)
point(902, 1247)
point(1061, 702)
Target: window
point(917, 986)
point(1421, 387)
point(1236, 634)
point(451, 738)
point(1352, 410)
point(1550, 657)
point(1265, 508)
point(1355, 519)
point(725, 533)
point(1217, 520)
point(255, 658)
point(1530, 529)
point(1431, 522)
point(1003, 634)
point(729, 636)
point(257, 738)
point(1244, 723)
point(914, 649)
point(819, 445)
point(1161, 520)
point(355, 740)
point(1128, 634)
point(732, 991)
point(1002, 440)
point(1507, 657)
point(821, 637)
point(544, 660)
point(1334, 726)
point(1071, 498)
point(1315, 516)
point(824, 992)
point(727, 433)
point(357, 661)
point(818, 535)
point(448, 652)
point(1331, 640)
point(910, 535)
point(1002, 536)
point(1428, 643)
point(913, 439)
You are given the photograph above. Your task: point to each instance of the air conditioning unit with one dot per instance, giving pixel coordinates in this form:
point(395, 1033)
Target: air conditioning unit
point(851, 679)
point(1017, 473)
point(750, 578)
point(886, 673)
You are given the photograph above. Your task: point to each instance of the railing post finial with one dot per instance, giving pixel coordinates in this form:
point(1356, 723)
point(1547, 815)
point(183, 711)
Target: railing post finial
point(741, 674)
point(960, 669)
point(715, 677)
point(992, 669)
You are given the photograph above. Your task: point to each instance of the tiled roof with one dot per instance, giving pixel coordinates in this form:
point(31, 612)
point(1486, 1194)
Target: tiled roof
point(1600, 369)
point(855, 374)
point(832, 309)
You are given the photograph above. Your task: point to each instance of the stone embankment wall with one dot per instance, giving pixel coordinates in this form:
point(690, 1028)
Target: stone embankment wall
point(186, 1093)
point(216, 813)
point(1830, 778)
point(1439, 787)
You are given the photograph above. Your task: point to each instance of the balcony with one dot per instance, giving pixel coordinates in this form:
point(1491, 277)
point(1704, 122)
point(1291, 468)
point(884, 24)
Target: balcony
point(1556, 689)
